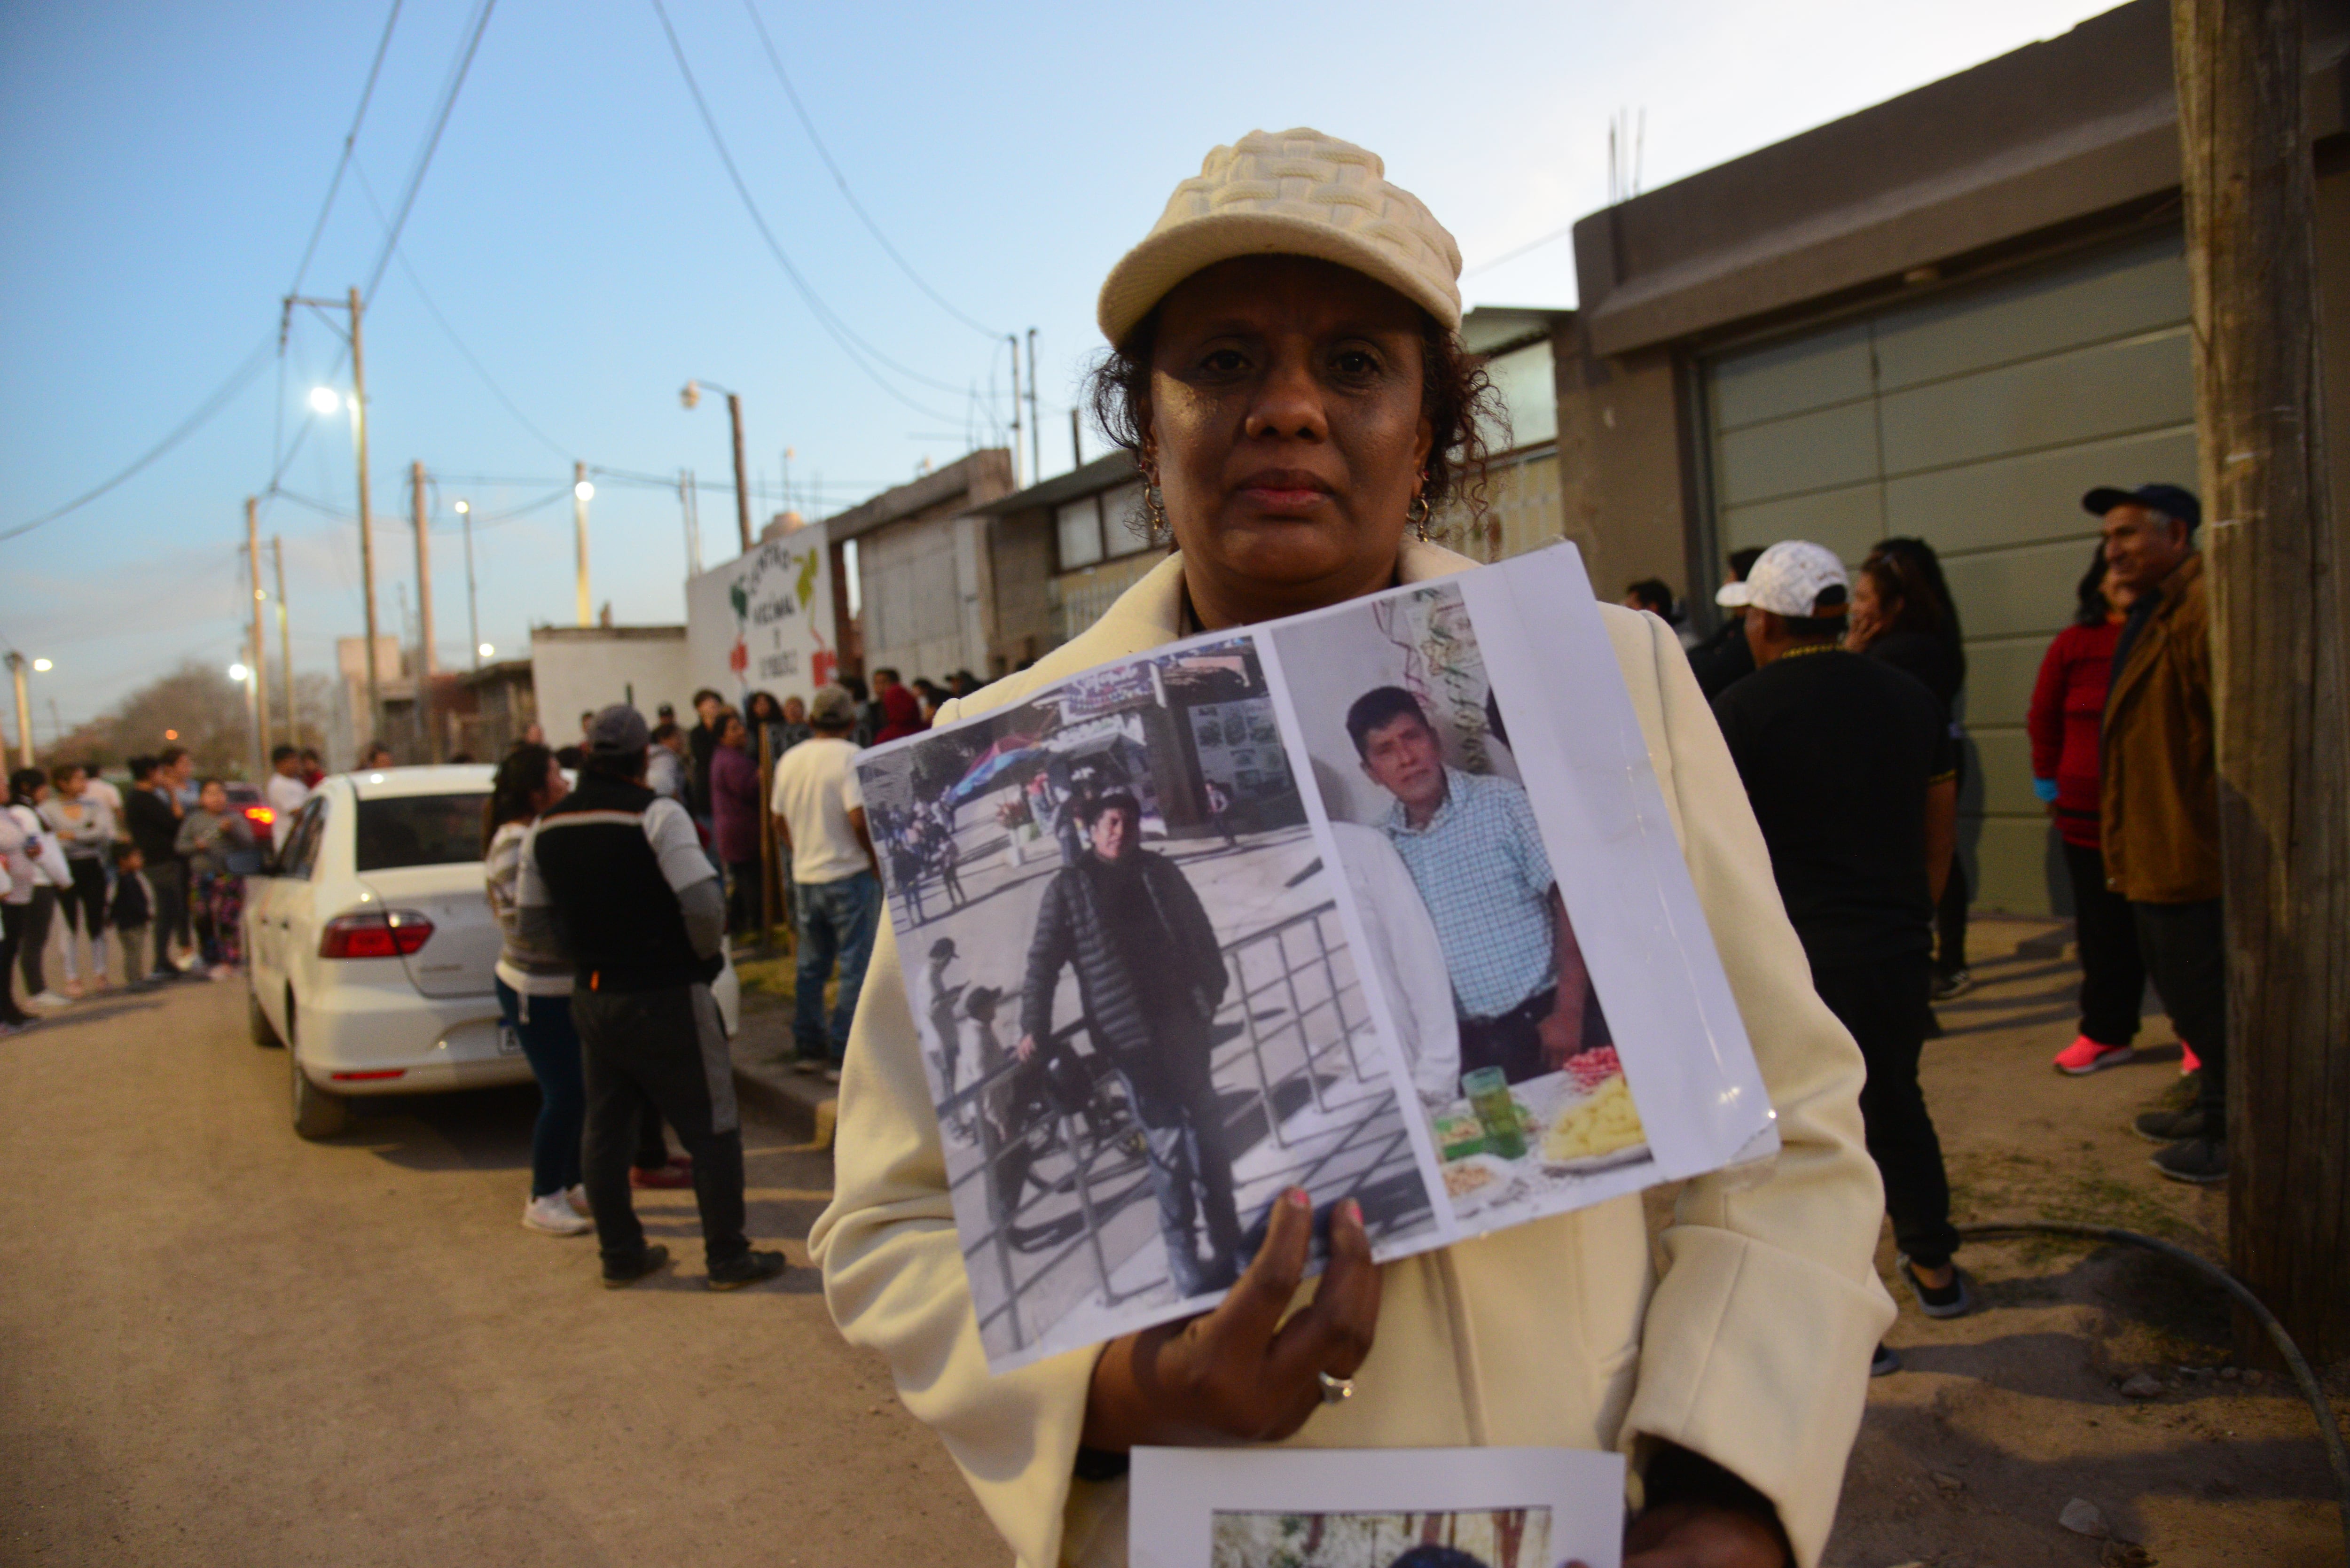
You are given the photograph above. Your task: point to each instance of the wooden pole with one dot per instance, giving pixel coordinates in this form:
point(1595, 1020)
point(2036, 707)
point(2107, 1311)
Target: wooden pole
point(770, 892)
point(742, 488)
point(260, 640)
point(2279, 692)
point(427, 722)
point(367, 525)
point(284, 641)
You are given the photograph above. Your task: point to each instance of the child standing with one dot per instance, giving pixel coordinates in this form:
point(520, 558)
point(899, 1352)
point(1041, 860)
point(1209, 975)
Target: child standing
point(131, 911)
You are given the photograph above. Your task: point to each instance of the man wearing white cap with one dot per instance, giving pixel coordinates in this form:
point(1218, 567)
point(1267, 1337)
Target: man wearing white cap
point(1848, 765)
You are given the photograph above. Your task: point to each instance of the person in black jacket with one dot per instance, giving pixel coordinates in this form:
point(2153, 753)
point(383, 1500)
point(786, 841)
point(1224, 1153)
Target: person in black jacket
point(1722, 660)
point(1151, 975)
point(152, 816)
point(613, 880)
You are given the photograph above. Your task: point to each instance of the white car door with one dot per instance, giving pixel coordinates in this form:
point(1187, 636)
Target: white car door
point(291, 900)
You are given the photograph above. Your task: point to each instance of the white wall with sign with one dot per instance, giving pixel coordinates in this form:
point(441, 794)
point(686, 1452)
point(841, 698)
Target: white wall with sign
point(764, 620)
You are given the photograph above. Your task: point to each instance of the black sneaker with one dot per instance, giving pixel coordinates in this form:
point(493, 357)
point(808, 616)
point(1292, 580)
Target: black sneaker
point(1884, 1362)
point(2169, 1127)
point(1953, 1300)
point(747, 1269)
point(620, 1277)
point(2201, 1161)
point(1957, 982)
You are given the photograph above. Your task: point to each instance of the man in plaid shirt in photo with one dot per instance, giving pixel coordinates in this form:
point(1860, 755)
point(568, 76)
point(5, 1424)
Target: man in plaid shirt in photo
point(1520, 988)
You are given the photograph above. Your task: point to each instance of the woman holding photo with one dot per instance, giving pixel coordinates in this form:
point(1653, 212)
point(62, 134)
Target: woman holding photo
point(1288, 375)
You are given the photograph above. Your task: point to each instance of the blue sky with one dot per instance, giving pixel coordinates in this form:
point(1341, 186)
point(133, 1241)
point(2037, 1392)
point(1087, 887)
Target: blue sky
point(161, 167)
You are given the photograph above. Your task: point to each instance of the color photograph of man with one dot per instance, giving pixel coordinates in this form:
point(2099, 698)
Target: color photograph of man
point(1151, 977)
point(1524, 1000)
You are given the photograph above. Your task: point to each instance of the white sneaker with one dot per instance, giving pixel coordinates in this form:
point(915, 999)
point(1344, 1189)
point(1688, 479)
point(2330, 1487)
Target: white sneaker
point(48, 999)
point(579, 1197)
point(554, 1215)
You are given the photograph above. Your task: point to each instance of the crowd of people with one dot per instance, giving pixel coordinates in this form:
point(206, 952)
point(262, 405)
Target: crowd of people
point(104, 869)
point(1852, 762)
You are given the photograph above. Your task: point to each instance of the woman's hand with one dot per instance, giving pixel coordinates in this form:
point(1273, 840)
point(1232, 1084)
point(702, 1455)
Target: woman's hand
point(1239, 1374)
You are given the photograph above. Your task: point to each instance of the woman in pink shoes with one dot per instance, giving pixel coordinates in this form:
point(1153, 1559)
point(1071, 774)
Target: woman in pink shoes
point(2068, 706)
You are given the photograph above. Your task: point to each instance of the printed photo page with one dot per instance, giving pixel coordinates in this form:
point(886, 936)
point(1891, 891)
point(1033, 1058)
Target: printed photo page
point(1341, 1508)
point(1382, 902)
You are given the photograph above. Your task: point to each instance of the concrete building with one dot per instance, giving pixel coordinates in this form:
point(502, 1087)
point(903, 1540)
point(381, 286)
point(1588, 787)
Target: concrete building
point(915, 571)
point(1523, 506)
point(1947, 315)
point(575, 669)
point(1064, 549)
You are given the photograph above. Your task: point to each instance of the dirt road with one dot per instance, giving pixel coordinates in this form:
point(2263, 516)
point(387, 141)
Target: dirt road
point(219, 1343)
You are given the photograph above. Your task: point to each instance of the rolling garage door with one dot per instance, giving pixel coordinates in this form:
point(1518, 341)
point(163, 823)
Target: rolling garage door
point(1974, 420)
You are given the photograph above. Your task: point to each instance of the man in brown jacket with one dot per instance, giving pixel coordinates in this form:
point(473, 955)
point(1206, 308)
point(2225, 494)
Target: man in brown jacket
point(2160, 800)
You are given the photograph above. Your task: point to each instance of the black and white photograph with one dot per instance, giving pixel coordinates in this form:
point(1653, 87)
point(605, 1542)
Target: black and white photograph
point(1512, 1056)
point(1437, 1538)
point(1386, 1507)
point(1142, 1018)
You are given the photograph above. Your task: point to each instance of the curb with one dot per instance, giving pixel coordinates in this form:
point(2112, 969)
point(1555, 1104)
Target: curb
point(763, 1075)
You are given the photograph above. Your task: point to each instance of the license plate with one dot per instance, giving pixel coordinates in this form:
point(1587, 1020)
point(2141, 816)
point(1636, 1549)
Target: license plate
point(509, 1040)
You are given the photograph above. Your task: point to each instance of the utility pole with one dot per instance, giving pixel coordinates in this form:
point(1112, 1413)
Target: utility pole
point(1077, 442)
point(260, 643)
point(425, 719)
point(285, 641)
point(366, 514)
point(689, 508)
point(580, 491)
point(742, 490)
point(473, 607)
point(2279, 689)
point(366, 521)
point(1014, 342)
point(1036, 427)
point(24, 710)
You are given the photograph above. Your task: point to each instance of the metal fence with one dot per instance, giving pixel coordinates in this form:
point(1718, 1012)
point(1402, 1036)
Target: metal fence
point(1291, 983)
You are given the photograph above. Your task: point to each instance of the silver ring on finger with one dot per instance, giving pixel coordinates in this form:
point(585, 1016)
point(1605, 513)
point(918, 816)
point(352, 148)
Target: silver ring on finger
point(1335, 1391)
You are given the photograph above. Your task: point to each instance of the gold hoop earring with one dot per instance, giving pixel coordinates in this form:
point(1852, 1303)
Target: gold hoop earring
point(1417, 515)
point(1154, 504)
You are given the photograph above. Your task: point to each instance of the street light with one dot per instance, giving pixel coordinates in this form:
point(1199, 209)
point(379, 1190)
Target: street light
point(238, 672)
point(584, 491)
point(43, 666)
point(326, 400)
point(691, 397)
point(486, 651)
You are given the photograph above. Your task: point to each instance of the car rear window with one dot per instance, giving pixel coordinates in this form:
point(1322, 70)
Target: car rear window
point(419, 830)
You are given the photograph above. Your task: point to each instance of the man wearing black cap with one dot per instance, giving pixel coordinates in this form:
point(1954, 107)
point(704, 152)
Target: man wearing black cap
point(2159, 801)
point(614, 879)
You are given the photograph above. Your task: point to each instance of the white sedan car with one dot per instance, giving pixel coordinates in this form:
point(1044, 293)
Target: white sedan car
point(370, 942)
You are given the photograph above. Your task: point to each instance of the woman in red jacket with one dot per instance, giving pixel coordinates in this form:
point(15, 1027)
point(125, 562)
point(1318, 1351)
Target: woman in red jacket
point(2068, 706)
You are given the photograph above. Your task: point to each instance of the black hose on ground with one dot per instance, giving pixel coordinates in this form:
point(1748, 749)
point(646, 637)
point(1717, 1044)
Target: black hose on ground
point(2328, 1433)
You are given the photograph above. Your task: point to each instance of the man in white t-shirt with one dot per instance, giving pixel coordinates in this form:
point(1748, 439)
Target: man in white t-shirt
point(286, 792)
point(836, 896)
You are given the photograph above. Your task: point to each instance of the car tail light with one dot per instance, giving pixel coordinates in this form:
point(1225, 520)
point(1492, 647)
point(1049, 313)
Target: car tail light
point(374, 933)
point(261, 815)
point(369, 1077)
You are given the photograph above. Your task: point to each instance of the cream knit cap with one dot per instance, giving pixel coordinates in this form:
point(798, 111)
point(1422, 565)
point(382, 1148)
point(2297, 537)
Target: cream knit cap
point(1298, 194)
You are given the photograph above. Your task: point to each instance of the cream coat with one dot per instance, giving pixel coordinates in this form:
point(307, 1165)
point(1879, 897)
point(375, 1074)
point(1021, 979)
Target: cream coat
point(1751, 1348)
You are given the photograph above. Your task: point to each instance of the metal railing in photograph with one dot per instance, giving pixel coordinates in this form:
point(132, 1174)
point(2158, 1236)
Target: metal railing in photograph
point(1096, 1133)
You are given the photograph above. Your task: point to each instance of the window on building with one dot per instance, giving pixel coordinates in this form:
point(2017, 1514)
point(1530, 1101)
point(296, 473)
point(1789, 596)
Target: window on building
point(1100, 528)
point(1078, 524)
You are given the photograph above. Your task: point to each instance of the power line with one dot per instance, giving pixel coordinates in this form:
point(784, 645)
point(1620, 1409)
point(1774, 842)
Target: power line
point(463, 64)
point(221, 397)
point(488, 380)
point(841, 180)
point(838, 331)
point(1522, 250)
point(350, 140)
